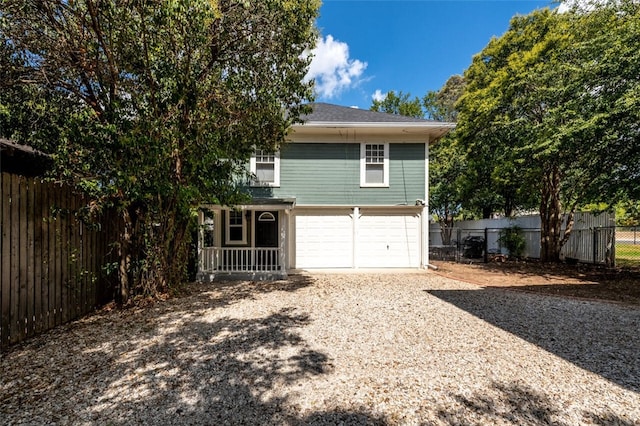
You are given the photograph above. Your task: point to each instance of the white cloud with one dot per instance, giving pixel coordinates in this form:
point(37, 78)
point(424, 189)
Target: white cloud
point(378, 95)
point(332, 68)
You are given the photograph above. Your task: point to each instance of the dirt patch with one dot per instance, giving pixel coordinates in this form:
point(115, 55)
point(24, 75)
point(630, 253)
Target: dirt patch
point(584, 281)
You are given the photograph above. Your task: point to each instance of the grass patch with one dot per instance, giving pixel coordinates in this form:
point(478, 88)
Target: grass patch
point(627, 254)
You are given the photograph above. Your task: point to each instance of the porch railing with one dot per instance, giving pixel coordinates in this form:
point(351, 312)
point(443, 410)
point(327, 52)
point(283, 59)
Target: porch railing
point(225, 259)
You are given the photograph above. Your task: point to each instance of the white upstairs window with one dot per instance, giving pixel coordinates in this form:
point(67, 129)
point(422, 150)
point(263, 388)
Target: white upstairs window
point(265, 166)
point(374, 164)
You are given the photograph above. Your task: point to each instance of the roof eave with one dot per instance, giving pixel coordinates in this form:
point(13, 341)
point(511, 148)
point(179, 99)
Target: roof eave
point(409, 131)
point(381, 125)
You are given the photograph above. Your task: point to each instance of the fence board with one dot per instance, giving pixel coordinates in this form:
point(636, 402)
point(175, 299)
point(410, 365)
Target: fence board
point(24, 258)
point(42, 261)
point(53, 264)
point(77, 259)
point(29, 279)
point(37, 256)
point(15, 266)
point(73, 266)
point(64, 257)
point(5, 290)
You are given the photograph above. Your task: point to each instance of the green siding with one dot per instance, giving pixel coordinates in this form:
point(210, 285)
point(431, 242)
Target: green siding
point(329, 174)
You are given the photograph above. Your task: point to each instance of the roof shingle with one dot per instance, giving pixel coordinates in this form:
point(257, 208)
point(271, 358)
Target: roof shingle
point(323, 112)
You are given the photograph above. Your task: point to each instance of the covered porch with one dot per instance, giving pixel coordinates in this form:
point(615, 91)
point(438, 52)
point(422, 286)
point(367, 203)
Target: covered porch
point(244, 242)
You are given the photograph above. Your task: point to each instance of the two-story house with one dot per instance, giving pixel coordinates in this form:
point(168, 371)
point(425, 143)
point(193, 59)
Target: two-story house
point(348, 190)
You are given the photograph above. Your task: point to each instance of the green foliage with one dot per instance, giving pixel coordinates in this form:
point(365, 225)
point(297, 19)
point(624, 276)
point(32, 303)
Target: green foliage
point(400, 104)
point(628, 213)
point(440, 105)
point(153, 107)
point(550, 111)
point(513, 240)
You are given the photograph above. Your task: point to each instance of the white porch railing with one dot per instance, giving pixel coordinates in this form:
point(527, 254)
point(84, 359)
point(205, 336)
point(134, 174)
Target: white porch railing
point(225, 259)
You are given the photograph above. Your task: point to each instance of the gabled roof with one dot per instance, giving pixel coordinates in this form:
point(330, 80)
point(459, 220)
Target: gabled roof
point(338, 121)
point(329, 113)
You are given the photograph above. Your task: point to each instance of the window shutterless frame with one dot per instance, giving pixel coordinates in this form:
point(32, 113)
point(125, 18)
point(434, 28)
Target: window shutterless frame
point(265, 166)
point(374, 165)
point(236, 228)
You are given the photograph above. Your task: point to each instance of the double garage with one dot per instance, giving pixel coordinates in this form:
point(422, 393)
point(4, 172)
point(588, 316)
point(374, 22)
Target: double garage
point(357, 238)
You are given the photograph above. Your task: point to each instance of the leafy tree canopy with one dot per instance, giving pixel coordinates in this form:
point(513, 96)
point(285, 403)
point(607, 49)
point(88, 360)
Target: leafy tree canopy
point(400, 104)
point(550, 108)
point(153, 106)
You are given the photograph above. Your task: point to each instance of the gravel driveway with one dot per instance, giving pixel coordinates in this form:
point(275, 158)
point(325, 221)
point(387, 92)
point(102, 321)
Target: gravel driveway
point(382, 349)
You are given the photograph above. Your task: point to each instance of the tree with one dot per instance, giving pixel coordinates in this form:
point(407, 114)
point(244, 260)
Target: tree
point(440, 104)
point(446, 167)
point(545, 111)
point(399, 104)
point(446, 160)
point(163, 101)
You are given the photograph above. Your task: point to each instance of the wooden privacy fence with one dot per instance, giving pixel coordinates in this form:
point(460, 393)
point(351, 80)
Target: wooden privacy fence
point(52, 266)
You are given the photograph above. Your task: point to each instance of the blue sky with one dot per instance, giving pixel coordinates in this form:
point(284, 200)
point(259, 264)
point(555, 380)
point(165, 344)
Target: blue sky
point(370, 47)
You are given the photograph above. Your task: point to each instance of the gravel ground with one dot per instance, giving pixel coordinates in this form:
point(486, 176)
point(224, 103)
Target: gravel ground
point(387, 349)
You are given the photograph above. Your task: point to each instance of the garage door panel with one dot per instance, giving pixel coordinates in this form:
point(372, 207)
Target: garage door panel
point(388, 241)
point(324, 240)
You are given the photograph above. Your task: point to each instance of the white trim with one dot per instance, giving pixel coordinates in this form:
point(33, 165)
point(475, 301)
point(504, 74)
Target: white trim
point(253, 229)
point(356, 230)
point(228, 228)
point(276, 171)
point(363, 166)
point(425, 210)
point(377, 207)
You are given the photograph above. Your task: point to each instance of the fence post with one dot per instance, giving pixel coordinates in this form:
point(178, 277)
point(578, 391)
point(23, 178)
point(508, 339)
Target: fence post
point(613, 248)
point(458, 238)
point(595, 245)
point(486, 245)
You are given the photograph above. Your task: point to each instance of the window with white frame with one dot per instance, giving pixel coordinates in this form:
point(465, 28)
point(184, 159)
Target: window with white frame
point(236, 227)
point(265, 166)
point(374, 164)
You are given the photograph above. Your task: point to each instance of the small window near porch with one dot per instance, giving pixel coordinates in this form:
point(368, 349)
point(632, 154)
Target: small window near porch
point(265, 166)
point(236, 227)
point(374, 164)
point(266, 217)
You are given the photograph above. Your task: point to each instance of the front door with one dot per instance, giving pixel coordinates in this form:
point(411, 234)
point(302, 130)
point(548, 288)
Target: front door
point(267, 237)
point(266, 229)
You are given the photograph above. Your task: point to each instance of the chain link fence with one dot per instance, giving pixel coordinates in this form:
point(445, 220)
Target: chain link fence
point(627, 247)
point(591, 245)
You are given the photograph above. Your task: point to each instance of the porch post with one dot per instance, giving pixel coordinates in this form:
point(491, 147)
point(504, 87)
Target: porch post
point(354, 254)
point(200, 244)
point(282, 243)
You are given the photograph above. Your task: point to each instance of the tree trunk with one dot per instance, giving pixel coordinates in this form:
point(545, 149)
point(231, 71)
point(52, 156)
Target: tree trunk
point(166, 249)
point(124, 255)
point(550, 216)
point(446, 228)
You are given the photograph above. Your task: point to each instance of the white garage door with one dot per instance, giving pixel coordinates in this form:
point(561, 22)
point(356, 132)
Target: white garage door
point(324, 240)
point(388, 241)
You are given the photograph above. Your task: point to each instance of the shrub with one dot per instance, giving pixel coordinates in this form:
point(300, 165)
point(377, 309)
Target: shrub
point(512, 239)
